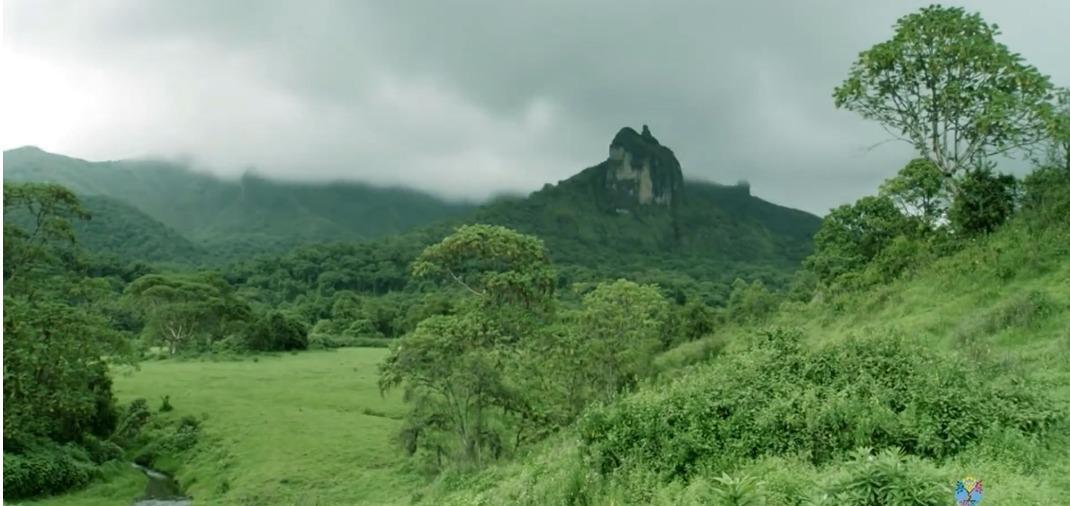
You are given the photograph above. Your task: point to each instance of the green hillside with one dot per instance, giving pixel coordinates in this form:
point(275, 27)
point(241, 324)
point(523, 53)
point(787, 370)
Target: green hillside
point(120, 230)
point(983, 334)
point(237, 218)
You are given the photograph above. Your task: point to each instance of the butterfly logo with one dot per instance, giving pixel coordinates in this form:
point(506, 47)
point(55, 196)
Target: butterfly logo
point(968, 492)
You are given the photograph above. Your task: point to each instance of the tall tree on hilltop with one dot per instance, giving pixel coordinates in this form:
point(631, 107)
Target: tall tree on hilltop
point(944, 84)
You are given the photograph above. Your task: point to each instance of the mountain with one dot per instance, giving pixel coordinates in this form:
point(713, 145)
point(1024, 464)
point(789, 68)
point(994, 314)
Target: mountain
point(118, 229)
point(635, 212)
point(237, 218)
point(632, 216)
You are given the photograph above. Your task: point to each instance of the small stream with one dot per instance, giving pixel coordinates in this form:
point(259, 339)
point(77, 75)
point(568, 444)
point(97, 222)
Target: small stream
point(161, 490)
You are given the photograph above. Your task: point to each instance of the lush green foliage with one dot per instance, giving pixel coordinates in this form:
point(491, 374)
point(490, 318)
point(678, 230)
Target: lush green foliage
point(984, 201)
point(776, 399)
point(853, 235)
point(187, 310)
point(276, 331)
point(45, 470)
point(919, 190)
point(944, 84)
point(452, 367)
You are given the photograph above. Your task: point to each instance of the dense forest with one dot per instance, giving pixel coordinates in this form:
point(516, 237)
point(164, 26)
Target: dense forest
point(625, 336)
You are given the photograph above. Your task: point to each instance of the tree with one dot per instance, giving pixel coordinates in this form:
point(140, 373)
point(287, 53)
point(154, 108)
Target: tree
point(853, 235)
point(918, 190)
point(37, 230)
point(178, 308)
point(451, 371)
point(56, 382)
point(275, 331)
point(459, 371)
point(750, 302)
point(943, 84)
point(497, 264)
point(621, 325)
point(1055, 150)
point(57, 342)
point(984, 203)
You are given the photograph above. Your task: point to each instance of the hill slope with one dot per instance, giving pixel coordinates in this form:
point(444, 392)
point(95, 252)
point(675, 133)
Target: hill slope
point(116, 228)
point(989, 324)
point(242, 217)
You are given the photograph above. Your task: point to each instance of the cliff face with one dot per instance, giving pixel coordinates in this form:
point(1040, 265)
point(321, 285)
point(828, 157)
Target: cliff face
point(640, 172)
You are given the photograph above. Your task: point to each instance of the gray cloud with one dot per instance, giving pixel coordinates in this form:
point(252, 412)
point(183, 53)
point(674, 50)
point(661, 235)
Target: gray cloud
point(471, 98)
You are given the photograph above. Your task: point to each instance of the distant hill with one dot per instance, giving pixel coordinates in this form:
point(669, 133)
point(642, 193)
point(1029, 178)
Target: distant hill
point(118, 229)
point(633, 216)
point(635, 212)
point(237, 218)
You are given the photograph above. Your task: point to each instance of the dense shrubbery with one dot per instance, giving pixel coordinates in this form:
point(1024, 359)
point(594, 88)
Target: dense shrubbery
point(886, 478)
point(276, 331)
point(45, 469)
point(777, 399)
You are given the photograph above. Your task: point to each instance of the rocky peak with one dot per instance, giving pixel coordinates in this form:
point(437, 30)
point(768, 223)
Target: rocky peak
point(641, 172)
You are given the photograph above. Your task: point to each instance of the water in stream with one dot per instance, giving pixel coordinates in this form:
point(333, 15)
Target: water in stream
point(160, 490)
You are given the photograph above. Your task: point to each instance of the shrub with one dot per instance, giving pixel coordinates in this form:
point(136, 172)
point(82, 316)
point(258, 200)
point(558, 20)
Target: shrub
point(276, 331)
point(776, 399)
point(44, 470)
point(984, 201)
point(101, 451)
point(136, 416)
point(165, 404)
point(887, 478)
point(1046, 197)
point(185, 436)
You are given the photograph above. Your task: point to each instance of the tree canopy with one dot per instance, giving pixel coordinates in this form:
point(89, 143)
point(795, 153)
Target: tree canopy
point(945, 84)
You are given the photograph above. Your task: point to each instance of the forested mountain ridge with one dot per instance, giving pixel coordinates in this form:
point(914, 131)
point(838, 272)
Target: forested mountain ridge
point(242, 217)
point(637, 205)
point(632, 216)
point(608, 220)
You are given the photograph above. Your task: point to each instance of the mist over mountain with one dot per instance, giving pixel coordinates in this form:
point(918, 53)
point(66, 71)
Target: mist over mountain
point(634, 204)
point(249, 215)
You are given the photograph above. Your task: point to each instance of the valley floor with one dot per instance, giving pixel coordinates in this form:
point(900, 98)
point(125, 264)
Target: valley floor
point(304, 429)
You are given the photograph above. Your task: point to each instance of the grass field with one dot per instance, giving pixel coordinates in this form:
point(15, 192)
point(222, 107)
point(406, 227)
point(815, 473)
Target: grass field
point(305, 429)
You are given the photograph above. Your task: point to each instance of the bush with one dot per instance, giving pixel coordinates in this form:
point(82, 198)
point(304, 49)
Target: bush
point(984, 201)
point(44, 470)
point(1046, 197)
point(329, 342)
point(136, 416)
point(276, 331)
point(775, 399)
point(101, 451)
point(887, 478)
point(165, 404)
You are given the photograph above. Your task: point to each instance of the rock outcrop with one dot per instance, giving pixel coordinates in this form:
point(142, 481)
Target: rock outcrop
point(641, 173)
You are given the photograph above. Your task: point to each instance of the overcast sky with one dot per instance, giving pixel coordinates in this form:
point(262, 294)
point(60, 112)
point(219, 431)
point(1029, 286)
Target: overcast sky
point(467, 99)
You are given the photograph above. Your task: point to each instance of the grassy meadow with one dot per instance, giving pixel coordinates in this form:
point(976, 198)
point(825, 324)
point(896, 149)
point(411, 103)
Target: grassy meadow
point(308, 428)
